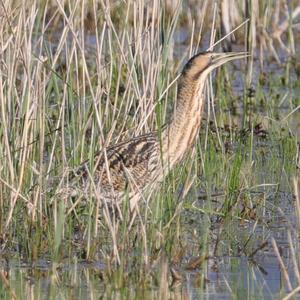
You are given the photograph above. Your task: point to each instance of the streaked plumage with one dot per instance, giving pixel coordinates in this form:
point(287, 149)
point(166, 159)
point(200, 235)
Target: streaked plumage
point(121, 169)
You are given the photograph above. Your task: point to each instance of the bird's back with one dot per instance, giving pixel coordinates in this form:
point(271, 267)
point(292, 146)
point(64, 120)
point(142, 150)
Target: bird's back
point(126, 167)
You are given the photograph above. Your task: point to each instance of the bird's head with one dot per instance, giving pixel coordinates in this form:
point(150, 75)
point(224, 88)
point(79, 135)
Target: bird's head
point(205, 62)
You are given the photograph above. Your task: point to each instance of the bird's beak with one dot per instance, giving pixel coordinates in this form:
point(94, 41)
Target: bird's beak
point(221, 58)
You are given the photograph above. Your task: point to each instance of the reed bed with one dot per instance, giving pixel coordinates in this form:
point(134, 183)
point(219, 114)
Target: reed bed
point(77, 76)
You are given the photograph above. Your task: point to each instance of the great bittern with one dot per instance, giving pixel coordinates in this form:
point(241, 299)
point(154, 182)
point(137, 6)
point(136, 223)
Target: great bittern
point(128, 168)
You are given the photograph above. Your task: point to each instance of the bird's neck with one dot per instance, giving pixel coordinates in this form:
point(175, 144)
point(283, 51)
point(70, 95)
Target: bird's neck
point(180, 134)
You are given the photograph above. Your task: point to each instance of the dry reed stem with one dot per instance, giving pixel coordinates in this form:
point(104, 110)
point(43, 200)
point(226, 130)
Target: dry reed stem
point(297, 198)
point(292, 293)
point(7, 285)
point(282, 266)
point(163, 292)
point(294, 258)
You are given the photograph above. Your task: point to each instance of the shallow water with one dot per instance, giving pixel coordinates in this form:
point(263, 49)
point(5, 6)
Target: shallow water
point(232, 272)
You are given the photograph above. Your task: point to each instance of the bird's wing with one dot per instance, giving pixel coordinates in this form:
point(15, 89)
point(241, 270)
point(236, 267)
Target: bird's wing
point(125, 165)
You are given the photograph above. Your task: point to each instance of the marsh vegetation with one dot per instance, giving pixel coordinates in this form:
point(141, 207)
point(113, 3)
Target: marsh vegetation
point(76, 76)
